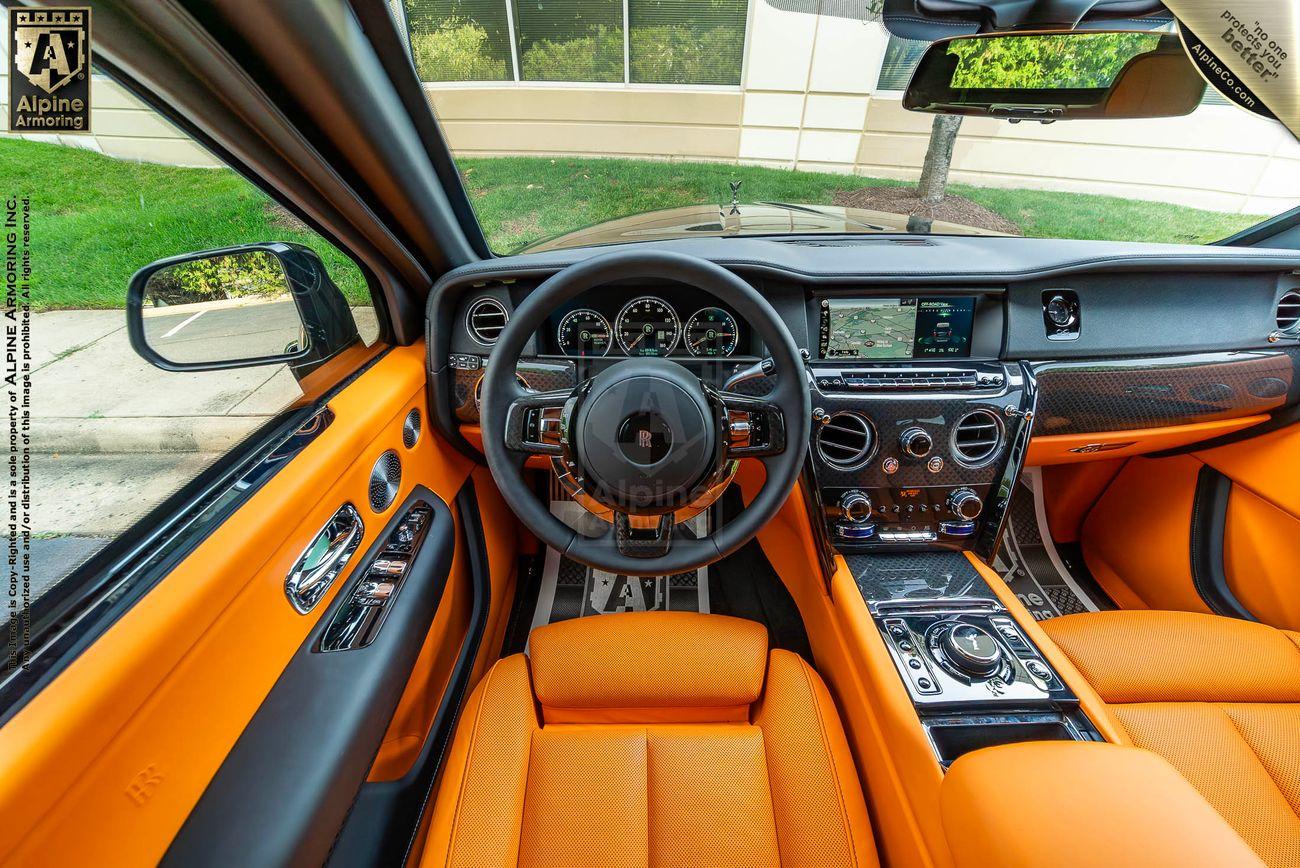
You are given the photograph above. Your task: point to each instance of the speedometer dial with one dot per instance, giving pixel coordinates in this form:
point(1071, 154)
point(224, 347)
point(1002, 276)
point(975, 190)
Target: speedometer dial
point(584, 333)
point(647, 326)
point(711, 332)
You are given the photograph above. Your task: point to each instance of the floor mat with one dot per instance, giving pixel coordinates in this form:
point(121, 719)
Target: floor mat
point(1032, 565)
point(570, 590)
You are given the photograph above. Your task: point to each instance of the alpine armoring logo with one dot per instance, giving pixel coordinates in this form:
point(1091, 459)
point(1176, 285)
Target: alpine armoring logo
point(49, 70)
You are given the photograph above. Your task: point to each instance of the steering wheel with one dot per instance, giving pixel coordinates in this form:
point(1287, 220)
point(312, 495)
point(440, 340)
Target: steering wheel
point(645, 439)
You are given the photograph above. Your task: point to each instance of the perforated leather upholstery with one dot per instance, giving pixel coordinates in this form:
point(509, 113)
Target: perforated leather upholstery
point(650, 739)
point(1216, 697)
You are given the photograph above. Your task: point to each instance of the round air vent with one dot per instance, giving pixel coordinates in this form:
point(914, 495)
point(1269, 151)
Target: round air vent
point(1288, 312)
point(385, 480)
point(846, 440)
point(976, 437)
point(411, 429)
point(485, 320)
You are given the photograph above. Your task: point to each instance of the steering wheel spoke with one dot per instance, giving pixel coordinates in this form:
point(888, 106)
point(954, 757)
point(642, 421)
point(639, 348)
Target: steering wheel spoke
point(643, 536)
point(755, 426)
point(535, 422)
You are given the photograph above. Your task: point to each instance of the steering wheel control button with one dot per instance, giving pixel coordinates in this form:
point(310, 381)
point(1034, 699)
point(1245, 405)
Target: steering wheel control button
point(970, 649)
point(915, 442)
point(645, 438)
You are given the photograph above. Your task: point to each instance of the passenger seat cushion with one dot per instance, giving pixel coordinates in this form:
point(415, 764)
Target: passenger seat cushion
point(641, 661)
point(1156, 656)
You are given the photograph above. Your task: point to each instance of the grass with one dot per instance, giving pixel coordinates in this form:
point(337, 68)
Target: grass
point(520, 200)
point(96, 219)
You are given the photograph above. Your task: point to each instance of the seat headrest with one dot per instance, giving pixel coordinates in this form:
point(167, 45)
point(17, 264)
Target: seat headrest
point(634, 666)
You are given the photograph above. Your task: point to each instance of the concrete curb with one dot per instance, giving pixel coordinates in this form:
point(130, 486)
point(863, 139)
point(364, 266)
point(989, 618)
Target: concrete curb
point(142, 434)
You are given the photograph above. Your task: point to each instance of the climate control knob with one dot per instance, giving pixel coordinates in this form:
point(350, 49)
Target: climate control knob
point(965, 504)
point(856, 507)
point(916, 442)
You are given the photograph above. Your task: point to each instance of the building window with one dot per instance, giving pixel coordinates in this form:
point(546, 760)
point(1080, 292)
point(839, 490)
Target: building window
point(685, 42)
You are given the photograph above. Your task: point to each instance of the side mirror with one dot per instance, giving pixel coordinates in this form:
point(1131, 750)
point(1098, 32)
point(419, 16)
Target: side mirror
point(238, 307)
point(1057, 76)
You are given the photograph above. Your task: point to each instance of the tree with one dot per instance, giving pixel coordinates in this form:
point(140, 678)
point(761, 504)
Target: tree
point(938, 159)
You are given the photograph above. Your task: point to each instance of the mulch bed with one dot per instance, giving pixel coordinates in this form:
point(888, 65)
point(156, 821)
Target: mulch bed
point(903, 200)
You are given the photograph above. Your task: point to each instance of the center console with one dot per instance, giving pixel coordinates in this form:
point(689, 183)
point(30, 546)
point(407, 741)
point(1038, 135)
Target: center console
point(974, 677)
point(918, 428)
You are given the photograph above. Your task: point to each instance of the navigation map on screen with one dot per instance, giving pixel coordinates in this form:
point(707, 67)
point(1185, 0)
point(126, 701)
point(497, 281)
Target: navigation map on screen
point(896, 328)
point(871, 328)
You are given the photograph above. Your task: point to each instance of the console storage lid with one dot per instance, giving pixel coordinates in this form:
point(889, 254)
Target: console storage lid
point(1080, 804)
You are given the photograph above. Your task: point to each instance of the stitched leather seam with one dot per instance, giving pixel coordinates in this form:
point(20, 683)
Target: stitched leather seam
point(830, 756)
point(1250, 747)
point(469, 762)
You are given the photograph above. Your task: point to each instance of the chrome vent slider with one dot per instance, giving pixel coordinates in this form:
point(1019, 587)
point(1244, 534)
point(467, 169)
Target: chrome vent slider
point(485, 319)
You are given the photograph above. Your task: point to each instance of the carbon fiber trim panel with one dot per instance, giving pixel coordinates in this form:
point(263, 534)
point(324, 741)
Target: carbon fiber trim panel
point(540, 376)
point(1128, 394)
point(937, 575)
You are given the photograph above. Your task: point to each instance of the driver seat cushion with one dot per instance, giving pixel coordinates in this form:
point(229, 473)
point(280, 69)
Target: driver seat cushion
point(652, 738)
point(1218, 698)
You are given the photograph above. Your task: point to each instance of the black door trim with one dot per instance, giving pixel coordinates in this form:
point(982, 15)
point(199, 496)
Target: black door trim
point(287, 785)
point(1209, 519)
point(385, 819)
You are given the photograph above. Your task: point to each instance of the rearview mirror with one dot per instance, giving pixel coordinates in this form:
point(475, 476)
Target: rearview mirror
point(238, 307)
point(1057, 76)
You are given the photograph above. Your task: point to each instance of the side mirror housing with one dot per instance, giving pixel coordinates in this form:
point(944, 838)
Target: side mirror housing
point(238, 307)
point(1056, 76)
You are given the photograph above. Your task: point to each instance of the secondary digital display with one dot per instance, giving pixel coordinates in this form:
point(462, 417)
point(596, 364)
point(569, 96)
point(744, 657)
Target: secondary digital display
point(896, 328)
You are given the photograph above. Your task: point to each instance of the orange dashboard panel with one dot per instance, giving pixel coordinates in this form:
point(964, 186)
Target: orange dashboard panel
point(1072, 448)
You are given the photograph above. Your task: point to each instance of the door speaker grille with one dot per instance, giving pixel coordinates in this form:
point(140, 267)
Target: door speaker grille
point(411, 429)
point(385, 480)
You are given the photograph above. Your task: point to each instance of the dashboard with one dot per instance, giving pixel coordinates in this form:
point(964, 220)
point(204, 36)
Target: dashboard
point(938, 368)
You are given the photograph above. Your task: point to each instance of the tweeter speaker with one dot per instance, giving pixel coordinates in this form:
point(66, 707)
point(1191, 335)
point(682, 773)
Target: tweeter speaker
point(385, 480)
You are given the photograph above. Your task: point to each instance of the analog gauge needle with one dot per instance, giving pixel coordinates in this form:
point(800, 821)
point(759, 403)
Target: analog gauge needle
point(632, 346)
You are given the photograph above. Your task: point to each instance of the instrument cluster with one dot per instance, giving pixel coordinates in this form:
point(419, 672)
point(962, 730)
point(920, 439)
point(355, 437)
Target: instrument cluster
point(647, 325)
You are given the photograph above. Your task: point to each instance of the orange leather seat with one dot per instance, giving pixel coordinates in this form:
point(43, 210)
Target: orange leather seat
point(661, 738)
point(1216, 697)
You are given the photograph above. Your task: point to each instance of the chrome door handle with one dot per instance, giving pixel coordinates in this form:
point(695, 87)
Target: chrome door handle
point(324, 558)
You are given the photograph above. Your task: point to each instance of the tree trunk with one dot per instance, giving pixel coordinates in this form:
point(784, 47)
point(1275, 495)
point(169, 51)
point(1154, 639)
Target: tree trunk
point(938, 158)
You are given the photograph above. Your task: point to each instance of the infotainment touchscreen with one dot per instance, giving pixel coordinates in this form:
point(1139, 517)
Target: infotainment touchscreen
point(896, 328)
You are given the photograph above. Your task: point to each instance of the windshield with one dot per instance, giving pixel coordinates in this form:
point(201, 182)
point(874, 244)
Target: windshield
point(577, 122)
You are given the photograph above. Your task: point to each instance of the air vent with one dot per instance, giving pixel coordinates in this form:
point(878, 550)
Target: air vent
point(1288, 312)
point(485, 320)
point(846, 440)
point(385, 480)
point(976, 438)
point(411, 429)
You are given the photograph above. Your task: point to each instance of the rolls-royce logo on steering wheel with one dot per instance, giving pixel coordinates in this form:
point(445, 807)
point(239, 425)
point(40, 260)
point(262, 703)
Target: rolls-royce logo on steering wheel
point(643, 438)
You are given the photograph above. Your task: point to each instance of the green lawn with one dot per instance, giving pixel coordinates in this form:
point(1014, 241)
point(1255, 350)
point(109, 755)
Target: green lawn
point(97, 219)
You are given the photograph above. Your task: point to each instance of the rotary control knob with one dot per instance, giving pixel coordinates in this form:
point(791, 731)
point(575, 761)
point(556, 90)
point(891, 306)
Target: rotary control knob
point(971, 649)
point(856, 507)
point(965, 504)
point(915, 442)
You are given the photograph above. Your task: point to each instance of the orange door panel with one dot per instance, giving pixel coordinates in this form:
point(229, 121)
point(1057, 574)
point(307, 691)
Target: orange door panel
point(105, 764)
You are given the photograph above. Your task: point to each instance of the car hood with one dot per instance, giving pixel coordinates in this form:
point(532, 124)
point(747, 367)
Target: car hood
point(753, 218)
